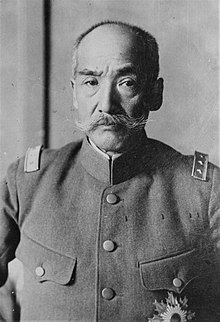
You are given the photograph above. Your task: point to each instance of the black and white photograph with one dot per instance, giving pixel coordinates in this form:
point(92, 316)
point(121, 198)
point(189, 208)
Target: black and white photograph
point(110, 160)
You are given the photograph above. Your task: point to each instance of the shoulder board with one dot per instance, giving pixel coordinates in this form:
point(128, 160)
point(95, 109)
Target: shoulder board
point(32, 159)
point(200, 166)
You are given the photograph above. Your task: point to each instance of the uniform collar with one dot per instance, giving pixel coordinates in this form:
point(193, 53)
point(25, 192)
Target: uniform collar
point(120, 169)
point(113, 157)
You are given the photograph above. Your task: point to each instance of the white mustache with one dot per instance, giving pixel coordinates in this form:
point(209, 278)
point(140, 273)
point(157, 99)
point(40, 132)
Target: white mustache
point(103, 118)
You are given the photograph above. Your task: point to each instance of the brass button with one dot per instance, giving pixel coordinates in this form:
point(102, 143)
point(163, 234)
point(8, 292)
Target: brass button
point(39, 271)
point(112, 198)
point(108, 245)
point(108, 293)
point(177, 282)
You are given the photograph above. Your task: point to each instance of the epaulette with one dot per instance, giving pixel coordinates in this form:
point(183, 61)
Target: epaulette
point(200, 166)
point(32, 159)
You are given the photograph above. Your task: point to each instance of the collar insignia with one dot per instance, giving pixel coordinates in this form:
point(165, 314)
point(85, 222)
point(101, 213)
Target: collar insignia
point(172, 310)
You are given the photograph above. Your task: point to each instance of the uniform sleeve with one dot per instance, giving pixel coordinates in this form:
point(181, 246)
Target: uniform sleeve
point(214, 213)
point(214, 218)
point(9, 231)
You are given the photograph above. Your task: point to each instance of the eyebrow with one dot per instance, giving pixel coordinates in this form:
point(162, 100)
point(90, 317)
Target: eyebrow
point(127, 70)
point(88, 72)
point(121, 71)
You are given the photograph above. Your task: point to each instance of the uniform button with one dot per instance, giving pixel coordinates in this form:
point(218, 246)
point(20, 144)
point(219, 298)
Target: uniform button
point(39, 271)
point(112, 198)
point(108, 245)
point(177, 282)
point(108, 293)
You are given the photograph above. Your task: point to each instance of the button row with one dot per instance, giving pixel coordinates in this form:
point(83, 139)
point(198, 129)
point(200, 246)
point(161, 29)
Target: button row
point(109, 246)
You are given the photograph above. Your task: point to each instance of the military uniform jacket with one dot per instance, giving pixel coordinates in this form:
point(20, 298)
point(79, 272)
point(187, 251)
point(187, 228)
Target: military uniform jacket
point(102, 240)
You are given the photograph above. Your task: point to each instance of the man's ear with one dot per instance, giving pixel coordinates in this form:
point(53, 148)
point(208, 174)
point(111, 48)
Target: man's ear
point(154, 99)
point(72, 84)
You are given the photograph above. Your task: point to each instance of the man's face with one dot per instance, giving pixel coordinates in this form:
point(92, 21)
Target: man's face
point(107, 80)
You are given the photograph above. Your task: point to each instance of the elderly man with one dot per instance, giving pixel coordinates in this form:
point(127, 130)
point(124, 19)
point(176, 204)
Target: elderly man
point(118, 227)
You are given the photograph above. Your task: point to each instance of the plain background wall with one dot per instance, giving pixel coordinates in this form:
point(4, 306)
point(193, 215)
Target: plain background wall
point(21, 78)
point(188, 37)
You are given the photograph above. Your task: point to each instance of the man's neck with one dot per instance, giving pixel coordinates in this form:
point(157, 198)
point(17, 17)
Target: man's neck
point(107, 154)
point(130, 144)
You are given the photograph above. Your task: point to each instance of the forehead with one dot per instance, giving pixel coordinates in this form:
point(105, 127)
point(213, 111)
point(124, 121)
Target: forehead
point(111, 44)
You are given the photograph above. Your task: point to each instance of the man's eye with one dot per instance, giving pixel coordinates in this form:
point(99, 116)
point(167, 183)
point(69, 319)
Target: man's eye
point(128, 85)
point(91, 82)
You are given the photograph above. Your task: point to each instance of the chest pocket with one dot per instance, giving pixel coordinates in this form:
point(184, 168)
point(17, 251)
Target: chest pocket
point(44, 263)
point(174, 273)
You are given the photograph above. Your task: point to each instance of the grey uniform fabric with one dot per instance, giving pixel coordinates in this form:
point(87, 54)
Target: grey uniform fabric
point(163, 223)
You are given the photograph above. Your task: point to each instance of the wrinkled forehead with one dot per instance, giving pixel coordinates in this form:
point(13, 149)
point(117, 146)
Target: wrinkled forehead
point(110, 43)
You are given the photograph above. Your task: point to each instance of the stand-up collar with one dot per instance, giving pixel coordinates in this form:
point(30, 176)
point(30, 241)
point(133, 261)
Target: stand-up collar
point(117, 170)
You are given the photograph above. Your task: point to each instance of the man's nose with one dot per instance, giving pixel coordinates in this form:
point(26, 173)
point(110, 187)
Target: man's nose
point(107, 99)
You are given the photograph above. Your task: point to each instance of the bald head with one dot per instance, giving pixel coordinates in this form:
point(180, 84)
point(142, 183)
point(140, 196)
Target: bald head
point(111, 34)
point(107, 36)
point(108, 42)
